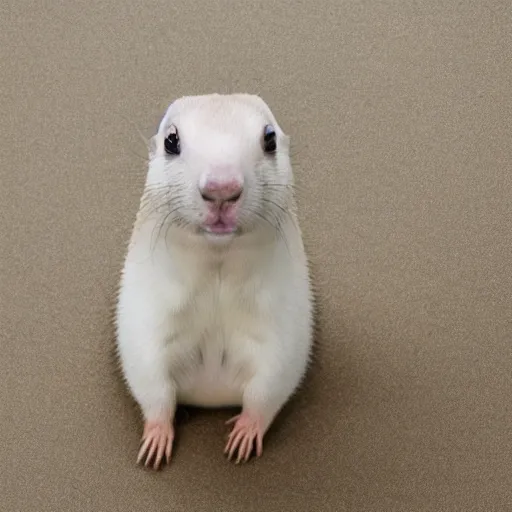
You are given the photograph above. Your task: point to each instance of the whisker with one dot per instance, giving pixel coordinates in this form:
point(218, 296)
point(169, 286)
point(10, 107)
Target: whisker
point(275, 223)
point(278, 206)
point(161, 226)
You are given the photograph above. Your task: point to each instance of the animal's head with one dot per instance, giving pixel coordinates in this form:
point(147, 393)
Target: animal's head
point(220, 166)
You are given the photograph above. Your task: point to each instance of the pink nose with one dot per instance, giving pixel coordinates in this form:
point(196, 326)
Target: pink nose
point(221, 190)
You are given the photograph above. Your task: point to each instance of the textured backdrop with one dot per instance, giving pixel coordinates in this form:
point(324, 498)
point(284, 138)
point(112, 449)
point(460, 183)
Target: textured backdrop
point(400, 115)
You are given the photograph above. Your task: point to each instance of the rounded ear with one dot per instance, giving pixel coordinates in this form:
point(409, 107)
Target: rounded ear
point(165, 118)
point(162, 125)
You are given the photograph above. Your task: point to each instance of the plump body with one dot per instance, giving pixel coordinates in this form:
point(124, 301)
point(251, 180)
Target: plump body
point(208, 318)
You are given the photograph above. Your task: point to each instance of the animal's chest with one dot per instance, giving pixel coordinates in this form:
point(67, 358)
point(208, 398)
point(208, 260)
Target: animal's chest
point(213, 342)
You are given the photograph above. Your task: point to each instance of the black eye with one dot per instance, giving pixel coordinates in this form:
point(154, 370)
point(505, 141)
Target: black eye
point(172, 142)
point(269, 139)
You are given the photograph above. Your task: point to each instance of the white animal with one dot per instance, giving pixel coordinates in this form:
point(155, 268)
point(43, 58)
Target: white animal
point(215, 304)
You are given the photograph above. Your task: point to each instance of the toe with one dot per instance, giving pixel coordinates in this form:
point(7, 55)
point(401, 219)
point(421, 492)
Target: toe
point(248, 449)
point(152, 450)
point(168, 449)
point(143, 449)
point(231, 440)
point(259, 444)
point(241, 449)
point(235, 443)
point(160, 451)
point(245, 446)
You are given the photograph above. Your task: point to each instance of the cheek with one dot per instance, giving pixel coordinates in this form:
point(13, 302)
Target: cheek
point(251, 201)
point(159, 176)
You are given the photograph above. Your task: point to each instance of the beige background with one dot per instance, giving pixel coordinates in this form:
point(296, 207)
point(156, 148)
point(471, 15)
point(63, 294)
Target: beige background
point(400, 116)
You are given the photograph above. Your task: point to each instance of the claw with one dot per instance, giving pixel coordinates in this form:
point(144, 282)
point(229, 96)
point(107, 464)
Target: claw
point(151, 453)
point(143, 449)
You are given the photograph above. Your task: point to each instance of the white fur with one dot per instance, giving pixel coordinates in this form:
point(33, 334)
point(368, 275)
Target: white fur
point(215, 320)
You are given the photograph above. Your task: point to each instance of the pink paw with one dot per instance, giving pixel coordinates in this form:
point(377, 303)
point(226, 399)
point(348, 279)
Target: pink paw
point(246, 434)
point(156, 442)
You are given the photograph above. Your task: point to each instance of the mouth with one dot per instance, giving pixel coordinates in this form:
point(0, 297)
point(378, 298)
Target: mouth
point(221, 228)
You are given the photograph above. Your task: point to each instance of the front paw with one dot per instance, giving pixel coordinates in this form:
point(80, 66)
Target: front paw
point(246, 435)
point(156, 442)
